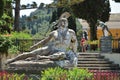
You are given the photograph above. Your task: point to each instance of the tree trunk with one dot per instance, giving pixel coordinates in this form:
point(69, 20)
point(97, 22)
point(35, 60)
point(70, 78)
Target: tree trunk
point(93, 31)
point(2, 2)
point(17, 15)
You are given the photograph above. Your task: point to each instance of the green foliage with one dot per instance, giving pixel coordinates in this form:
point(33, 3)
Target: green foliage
point(40, 24)
point(53, 74)
point(6, 23)
point(62, 74)
point(54, 16)
point(13, 50)
point(38, 36)
point(20, 35)
point(15, 42)
point(24, 44)
point(6, 19)
point(5, 44)
point(79, 74)
point(79, 36)
point(79, 33)
point(22, 41)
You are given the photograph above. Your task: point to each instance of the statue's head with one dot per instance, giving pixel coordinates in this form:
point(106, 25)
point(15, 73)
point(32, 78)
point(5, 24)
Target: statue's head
point(63, 23)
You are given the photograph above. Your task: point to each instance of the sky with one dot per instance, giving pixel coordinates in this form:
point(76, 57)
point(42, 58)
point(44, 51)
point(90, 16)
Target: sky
point(114, 6)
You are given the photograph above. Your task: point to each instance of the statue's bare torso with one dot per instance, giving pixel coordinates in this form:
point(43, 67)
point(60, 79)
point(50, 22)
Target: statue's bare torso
point(61, 41)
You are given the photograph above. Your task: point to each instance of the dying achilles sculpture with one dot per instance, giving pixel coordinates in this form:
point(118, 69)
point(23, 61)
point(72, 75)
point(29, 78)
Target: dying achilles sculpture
point(60, 46)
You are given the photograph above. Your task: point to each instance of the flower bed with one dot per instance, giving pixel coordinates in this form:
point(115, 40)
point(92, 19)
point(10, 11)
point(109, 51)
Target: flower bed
point(105, 75)
point(61, 74)
point(12, 76)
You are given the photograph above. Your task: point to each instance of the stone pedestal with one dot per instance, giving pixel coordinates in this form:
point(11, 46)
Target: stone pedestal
point(31, 67)
point(106, 44)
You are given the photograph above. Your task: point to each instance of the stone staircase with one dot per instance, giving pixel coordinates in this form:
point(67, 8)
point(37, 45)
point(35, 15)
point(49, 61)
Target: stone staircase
point(94, 61)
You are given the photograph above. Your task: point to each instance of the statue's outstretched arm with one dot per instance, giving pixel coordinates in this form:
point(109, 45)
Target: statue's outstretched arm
point(42, 42)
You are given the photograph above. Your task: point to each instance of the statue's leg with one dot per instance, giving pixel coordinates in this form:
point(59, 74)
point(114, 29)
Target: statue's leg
point(108, 31)
point(40, 51)
point(20, 57)
point(55, 56)
point(103, 31)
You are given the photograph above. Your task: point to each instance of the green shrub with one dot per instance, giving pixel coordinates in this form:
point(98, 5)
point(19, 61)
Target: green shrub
point(15, 41)
point(24, 44)
point(13, 50)
point(20, 35)
point(62, 74)
point(79, 74)
point(5, 44)
point(22, 40)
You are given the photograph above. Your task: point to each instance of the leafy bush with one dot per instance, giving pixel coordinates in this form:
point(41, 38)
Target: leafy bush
point(5, 44)
point(20, 35)
point(13, 50)
point(62, 74)
point(17, 40)
point(79, 74)
point(94, 42)
point(21, 41)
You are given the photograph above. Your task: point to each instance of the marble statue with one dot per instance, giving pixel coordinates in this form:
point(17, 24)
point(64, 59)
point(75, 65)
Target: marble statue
point(60, 46)
point(104, 27)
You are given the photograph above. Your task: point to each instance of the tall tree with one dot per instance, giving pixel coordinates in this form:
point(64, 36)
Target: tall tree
point(17, 15)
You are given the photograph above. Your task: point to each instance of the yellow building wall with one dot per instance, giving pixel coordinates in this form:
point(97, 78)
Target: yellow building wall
point(115, 35)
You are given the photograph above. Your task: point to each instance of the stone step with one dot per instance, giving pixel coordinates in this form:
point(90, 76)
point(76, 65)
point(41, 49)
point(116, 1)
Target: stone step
point(100, 68)
point(92, 59)
point(89, 53)
point(92, 56)
point(96, 62)
point(98, 65)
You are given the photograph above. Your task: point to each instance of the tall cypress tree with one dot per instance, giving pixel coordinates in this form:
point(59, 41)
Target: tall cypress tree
point(2, 4)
